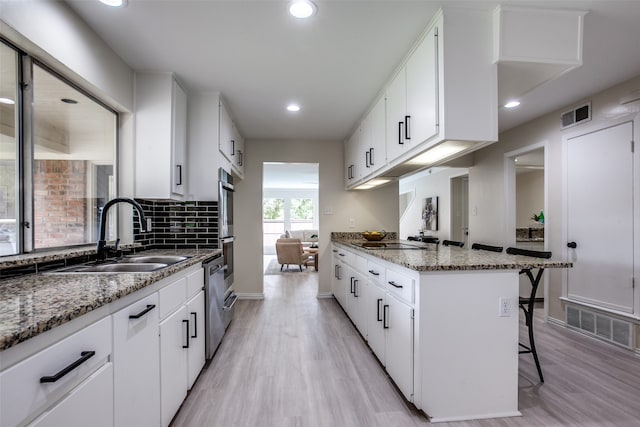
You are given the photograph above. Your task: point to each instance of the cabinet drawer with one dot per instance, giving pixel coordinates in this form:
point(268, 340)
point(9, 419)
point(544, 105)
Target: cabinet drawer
point(375, 272)
point(400, 284)
point(172, 297)
point(195, 283)
point(361, 263)
point(345, 256)
point(23, 396)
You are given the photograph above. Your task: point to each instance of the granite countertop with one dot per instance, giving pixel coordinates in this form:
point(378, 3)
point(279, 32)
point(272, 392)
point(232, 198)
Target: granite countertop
point(35, 303)
point(447, 258)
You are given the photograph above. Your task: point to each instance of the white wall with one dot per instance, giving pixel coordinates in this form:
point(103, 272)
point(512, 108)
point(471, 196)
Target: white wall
point(425, 184)
point(529, 197)
point(373, 209)
point(487, 183)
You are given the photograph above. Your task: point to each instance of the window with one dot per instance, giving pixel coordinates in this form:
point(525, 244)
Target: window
point(66, 149)
point(8, 149)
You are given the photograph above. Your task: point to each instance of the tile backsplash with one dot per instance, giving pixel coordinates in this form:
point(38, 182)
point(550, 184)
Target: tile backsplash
point(178, 225)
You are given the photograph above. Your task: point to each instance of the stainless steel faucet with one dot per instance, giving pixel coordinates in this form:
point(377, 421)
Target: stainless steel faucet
point(103, 249)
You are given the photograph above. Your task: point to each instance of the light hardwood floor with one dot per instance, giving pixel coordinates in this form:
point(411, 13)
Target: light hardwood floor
point(295, 360)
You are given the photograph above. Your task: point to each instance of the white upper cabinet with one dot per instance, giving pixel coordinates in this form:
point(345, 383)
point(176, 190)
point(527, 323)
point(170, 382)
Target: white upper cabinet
point(211, 132)
point(365, 151)
point(161, 135)
point(443, 95)
point(231, 144)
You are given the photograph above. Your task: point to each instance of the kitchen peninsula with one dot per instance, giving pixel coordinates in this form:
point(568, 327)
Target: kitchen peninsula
point(443, 321)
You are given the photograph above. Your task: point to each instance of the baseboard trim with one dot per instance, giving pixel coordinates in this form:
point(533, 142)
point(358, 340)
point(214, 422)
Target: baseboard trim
point(324, 295)
point(249, 295)
point(556, 321)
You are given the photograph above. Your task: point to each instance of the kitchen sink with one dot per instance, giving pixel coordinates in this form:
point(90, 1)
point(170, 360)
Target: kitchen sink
point(119, 267)
point(163, 259)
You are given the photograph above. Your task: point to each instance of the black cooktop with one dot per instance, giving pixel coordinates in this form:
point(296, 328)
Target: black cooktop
point(390, 245)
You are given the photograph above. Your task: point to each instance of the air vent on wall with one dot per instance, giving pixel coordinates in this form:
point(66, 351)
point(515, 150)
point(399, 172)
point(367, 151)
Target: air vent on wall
point(600, 325)
point(575, 116)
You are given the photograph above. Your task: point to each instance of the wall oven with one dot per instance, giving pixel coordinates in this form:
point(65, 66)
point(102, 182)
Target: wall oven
point(225, 220)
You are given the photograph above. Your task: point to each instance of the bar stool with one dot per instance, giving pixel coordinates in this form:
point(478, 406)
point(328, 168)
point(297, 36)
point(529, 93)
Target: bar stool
point(452, 243)
point(526, 304)
point(483, 247)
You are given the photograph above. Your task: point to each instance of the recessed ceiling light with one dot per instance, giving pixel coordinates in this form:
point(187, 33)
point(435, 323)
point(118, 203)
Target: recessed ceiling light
point(69, 101)
point(512, 104)
point(293, 108)
point(114, 3)
point(7, 101)
point(302, 8)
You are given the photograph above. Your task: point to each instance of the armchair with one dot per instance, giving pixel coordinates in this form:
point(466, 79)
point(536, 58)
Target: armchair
point(289, 251)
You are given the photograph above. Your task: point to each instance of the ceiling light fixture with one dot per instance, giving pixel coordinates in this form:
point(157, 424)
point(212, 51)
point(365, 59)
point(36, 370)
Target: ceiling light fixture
point(302, 9)
point(114, 3)
point(7, 101)
point(293, 108)
point(512, 104)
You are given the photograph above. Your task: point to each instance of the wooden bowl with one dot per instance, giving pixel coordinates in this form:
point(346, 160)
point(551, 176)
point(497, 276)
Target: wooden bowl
point(374, 237)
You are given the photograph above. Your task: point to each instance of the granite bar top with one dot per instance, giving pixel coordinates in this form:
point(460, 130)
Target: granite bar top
point(434, 257)
point(35, 303)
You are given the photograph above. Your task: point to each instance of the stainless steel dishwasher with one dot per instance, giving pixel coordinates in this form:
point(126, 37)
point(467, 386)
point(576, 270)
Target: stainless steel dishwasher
point(219, 300)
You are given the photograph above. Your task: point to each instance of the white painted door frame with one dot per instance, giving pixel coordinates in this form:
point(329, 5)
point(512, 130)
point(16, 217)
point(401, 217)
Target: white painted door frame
point(510, 203)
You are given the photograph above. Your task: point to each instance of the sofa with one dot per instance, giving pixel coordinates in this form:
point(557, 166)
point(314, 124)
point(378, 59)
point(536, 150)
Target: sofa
point(303, 235)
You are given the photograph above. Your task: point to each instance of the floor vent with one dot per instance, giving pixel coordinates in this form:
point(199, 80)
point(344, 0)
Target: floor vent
point(600, 325)
point(575, 116)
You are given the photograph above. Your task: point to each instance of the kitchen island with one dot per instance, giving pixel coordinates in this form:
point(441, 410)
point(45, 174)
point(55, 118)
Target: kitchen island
point(444, 321)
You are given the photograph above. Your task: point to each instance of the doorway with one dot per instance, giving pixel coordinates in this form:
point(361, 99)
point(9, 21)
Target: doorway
point(460, 209)
point(289, 204)
point(526, 201)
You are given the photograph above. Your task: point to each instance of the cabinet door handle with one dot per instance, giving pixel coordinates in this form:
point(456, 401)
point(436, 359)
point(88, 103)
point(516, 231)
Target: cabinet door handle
point(374, 273)
point(233, 147)
point(335, 271)
point(366, 159)
point(572, 245)
point(195, 324)
point(385, 321)
point(339, 273)
point(407, 127)
point(351, 287)
point(84, 356)
point(341, 254)
point(378, 303)
point(394, 284)
point(179, 180)
point(400, 141)
point(355, 288)
point(371, 156)
point(143, 312)
point(187, 334)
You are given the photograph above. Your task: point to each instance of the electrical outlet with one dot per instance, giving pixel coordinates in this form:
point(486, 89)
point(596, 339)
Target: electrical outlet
point(352, 223)
point(505, 307)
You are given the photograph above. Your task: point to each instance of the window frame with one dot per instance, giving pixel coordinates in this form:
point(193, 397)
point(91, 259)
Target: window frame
point(25, 152)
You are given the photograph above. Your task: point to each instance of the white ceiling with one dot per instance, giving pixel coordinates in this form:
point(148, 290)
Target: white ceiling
point(261, 58)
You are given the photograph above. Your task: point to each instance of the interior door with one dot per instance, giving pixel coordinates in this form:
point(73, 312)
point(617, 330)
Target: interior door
point(600, 217)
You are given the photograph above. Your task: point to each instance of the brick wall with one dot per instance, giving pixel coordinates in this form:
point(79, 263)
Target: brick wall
point(179, 224)
point(60, 202)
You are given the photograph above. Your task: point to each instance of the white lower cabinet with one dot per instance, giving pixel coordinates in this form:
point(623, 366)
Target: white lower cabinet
point(89, 404)
point(399, 344)
point(174, 336)
point(182, 350)
point(379, 301)
point(137, 364)
point(51, 382)
point(195, 354)
point(357, 300)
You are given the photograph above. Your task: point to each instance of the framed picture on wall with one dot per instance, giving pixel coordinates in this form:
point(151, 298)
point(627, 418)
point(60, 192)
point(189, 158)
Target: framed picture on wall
point(430, 214)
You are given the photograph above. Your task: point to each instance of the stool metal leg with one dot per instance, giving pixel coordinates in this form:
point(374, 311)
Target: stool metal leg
point(528, 315)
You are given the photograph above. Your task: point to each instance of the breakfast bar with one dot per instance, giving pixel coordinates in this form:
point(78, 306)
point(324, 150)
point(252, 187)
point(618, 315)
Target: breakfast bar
point(444, 321)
